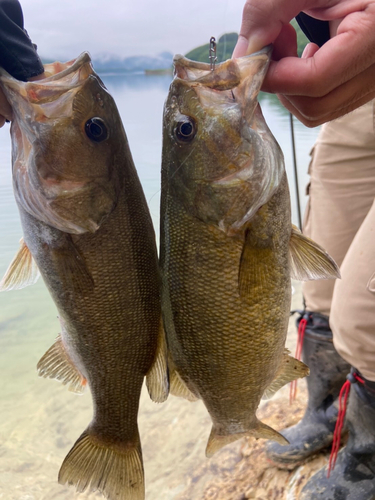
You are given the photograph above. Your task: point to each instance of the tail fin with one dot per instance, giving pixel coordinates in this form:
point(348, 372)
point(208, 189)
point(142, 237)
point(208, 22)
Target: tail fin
point(116, 471)
point(260, 430)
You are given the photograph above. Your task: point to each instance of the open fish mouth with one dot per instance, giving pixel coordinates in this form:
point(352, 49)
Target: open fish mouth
point(47, 130)
point(235, 81)
point(226, 75)
point(51, 96)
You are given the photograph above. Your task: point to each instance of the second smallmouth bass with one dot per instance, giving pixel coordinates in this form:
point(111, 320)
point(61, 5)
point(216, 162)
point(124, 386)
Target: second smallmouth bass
point(228, 248)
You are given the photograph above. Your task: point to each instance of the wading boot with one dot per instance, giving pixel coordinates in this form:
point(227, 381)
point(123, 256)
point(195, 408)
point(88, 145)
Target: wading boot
point(353, 477)
point(327, 374)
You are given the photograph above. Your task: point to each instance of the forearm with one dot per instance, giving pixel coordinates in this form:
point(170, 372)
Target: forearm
point(18, 55)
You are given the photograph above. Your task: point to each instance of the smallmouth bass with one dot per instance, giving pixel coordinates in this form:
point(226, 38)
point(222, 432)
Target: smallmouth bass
point(88, 231)
point(228, 248)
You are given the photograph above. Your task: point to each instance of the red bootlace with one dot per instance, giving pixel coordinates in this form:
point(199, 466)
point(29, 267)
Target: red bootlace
point(343, 398)
point(298, 355)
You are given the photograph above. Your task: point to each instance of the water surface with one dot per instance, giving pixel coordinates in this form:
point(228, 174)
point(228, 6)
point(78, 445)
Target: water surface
point(39, 418)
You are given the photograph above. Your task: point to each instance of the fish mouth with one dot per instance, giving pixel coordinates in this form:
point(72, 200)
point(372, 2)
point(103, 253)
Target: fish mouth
point(41, 188)
point(233, 82)
point(43, 99)
point(224, 76)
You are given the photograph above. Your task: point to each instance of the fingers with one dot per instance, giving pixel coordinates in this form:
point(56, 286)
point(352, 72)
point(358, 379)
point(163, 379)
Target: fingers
point(338, 61)
point(285, 44)
point(262, 22)
point(5, 108)
point(314, 122)
point(343, 99)
point(309, 50)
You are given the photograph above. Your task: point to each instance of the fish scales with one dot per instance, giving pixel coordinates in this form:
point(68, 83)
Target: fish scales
point(118, 316)
point(216, 334)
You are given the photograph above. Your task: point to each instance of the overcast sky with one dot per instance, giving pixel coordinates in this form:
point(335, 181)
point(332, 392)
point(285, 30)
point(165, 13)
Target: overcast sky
point(64, 28)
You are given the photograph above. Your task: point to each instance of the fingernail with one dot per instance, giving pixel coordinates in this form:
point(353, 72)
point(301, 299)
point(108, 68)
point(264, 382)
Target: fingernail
point(240, 49)
point(253, 47)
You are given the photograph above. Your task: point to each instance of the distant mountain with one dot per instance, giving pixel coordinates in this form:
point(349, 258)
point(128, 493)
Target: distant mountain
point(111, 63)
point(134, 63)
point(224, 49)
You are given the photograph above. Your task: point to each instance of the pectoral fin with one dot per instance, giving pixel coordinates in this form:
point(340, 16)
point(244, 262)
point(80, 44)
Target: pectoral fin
point(255, 269)
point(21, 272)
point(308, 260)
point(290, 369)
point(57, 364)
point(157, 380)
point(71, 267)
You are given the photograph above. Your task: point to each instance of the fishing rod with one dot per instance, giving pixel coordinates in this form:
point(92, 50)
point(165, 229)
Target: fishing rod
point(295, 171)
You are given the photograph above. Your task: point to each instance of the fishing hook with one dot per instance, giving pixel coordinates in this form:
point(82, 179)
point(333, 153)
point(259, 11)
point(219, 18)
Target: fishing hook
point(212, 53)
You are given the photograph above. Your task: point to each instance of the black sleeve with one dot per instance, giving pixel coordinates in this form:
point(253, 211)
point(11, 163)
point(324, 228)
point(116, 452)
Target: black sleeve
point(18, 55)
point(316, 31)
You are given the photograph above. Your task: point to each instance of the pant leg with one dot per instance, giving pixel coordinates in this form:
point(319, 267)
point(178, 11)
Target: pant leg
point(341, 192)
point(353, 304)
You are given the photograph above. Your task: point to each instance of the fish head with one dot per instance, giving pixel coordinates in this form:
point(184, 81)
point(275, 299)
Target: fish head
point(219, 157)
point(66, 137)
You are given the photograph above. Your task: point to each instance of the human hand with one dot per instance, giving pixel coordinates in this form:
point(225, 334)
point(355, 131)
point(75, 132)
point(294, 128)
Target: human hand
point(5, 109)
point(326, 82)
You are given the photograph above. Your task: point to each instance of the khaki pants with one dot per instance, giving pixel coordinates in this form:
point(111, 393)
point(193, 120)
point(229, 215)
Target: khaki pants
point(340, 216)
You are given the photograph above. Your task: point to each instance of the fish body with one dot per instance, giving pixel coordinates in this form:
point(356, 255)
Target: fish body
point(87, 228)
point(226, 238)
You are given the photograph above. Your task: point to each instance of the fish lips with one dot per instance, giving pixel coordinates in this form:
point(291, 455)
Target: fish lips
point(226, 75)
point(41, 99)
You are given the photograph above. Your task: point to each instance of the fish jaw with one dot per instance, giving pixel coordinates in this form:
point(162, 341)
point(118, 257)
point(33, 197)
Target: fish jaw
point(61, 177)
point(232, 165)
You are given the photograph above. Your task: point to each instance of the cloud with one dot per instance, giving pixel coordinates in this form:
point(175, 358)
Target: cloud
point(62, 29)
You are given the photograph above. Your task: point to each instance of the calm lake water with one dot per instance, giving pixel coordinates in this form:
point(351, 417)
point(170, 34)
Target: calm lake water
point(39, 418)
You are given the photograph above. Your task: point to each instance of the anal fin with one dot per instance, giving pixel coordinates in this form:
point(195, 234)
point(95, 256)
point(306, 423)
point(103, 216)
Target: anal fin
point(21, 272)
point(56, 364)
point(290, 369)
point(157, 380)
point(178, 387)
point(309, 261)
point(260, 430)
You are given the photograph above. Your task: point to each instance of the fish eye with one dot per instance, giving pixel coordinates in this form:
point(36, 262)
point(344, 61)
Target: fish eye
point(185, 130)
point(96, 129)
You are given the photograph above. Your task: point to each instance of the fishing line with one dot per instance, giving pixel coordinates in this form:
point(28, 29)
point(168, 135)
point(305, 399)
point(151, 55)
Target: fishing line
point(175, 172)
point(225, 10)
